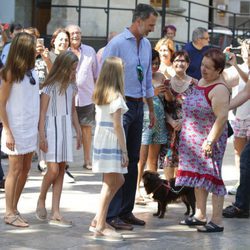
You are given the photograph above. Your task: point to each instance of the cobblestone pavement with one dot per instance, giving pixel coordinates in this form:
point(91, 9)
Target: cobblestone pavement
point(79, 202)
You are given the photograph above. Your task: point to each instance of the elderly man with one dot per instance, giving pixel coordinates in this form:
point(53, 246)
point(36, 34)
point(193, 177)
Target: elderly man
point(86, 76)
point(195, 50)
point(135, 50)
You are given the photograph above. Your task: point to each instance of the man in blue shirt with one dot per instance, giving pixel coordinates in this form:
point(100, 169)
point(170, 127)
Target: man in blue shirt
point(195, 50)
point(135, 50)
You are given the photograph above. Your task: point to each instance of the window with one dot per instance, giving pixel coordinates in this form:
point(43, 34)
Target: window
point(245, 7)
point(158, 3)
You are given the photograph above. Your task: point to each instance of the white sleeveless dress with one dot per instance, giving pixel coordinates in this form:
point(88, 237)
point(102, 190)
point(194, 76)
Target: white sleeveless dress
point(23, 115)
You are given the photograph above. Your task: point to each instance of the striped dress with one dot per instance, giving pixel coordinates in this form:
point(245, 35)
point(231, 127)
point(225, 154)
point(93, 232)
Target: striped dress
point(58, 124)
point(107, 154)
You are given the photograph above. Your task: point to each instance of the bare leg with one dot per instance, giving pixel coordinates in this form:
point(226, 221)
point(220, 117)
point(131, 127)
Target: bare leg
point(217, 203)
point(141, 164)
point(111, 183)
point(201, 202)
point(239, 144)
point(22, 178)
point(169, 172)
point(153, 153)
point(57, 191)
point(86, 142)
point(48, 179)
point(15, 169)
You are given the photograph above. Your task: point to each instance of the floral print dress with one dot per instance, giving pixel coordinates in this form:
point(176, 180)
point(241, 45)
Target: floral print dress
point(195, 169)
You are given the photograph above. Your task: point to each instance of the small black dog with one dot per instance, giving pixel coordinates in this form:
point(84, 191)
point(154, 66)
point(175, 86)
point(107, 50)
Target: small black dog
point(165, 192)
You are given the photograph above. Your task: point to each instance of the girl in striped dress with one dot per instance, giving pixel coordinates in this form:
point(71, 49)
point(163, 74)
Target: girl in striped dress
point(110, 155)
point(57, 113)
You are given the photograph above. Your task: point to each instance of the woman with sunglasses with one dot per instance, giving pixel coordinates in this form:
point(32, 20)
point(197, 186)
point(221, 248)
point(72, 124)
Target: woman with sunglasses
point(19, 111)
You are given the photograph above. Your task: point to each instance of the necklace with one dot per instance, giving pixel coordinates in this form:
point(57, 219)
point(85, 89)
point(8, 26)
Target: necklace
point(180, 84)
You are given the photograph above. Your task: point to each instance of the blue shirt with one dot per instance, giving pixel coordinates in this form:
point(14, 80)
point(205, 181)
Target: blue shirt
point(124, 46)
point(5, 52)
point(196, 56)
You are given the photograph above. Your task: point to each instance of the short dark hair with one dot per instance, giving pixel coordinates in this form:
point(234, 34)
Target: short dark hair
point(218, 58)
point(15, 26)
point(155, 54)
point(180, 53)
point(143, 11)
point(170, 26)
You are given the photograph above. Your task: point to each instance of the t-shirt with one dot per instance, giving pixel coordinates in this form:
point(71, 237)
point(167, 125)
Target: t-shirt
point(196, 56)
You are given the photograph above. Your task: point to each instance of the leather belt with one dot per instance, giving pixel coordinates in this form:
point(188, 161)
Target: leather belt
point(133, 99)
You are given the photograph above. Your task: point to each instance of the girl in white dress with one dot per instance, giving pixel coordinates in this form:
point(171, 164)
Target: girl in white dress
point(19, 111)
point(109, 153)
point(57, 113)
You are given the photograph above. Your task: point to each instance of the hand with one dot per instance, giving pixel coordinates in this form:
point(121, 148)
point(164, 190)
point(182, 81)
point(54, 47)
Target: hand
point(160, 89)
point(125, 159)
point(151, 119)
point(39, 49)
point(10, 141)
point(208, 149)
point(43, 144)
point(177, 124)
point(45, 54)
point(233, 60)
point(78, 139)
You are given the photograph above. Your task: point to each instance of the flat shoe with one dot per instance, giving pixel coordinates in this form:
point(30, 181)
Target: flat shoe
point(21, 217)
point(15, 220)
point(60, 222)
point(192, 221)
point(87, 166)
point(41, 213)
point(92, 227)
point(140, 201)
point(107, 235)
point(210, 228)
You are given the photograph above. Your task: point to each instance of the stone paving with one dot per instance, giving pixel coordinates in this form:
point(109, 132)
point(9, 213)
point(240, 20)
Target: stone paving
point(79, 202)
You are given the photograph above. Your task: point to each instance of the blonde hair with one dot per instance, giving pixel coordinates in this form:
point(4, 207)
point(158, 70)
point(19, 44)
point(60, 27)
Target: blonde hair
point(61, 70)
point(21, 57)
point(110, 83)
point(168, 42)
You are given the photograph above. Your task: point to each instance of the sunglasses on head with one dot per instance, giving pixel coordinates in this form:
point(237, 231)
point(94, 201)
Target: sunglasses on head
point(31, 78)
point(139, 71)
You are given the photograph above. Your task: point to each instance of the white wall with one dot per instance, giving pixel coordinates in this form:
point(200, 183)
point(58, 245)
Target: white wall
point(7, 11)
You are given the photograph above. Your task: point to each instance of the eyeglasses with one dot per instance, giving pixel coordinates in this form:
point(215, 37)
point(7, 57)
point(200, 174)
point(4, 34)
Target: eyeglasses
point(180, 61)
point(205, 38)
point(139, 71)
point(31, 78)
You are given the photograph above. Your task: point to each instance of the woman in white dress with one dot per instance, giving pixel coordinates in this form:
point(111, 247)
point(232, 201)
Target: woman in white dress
point(19, 111)
point(110, 155)
point(57, 113)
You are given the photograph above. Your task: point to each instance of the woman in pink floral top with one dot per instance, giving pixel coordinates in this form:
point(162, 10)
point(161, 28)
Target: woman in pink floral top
point(203, 141)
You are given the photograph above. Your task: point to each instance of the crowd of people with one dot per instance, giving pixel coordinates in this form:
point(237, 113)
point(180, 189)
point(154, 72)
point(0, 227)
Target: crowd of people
point(163, 107)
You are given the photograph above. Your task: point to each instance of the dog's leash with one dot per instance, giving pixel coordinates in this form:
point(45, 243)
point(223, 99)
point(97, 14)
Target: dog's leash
point(176, 192)
point(162, 184)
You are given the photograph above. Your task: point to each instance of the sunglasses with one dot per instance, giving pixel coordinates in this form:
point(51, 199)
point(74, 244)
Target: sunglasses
point(139, 71)
point(31, 78)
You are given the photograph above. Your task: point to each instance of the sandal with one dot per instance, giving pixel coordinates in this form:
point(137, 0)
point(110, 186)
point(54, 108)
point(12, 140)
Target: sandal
point(15, 220)
point(21, 217)
point(107, 234)
point(210, 227)
point(60, 222)
point(87, 166)
point(192, 221)
point(140, 201)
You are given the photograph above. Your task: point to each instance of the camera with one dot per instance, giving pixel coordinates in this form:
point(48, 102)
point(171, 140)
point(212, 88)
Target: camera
point(236, 50)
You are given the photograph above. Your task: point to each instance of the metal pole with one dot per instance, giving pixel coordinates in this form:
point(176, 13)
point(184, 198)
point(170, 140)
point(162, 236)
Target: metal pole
point(163, 17)
point(79, 13)
point(107, 28)
point(188, 20)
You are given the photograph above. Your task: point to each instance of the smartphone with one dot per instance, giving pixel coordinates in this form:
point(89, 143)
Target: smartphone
point(235, 50)
point(228, 56)
point(40, 41)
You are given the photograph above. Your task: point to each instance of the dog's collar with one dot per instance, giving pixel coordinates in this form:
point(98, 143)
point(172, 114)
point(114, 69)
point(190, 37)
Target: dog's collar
point(162, 184)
